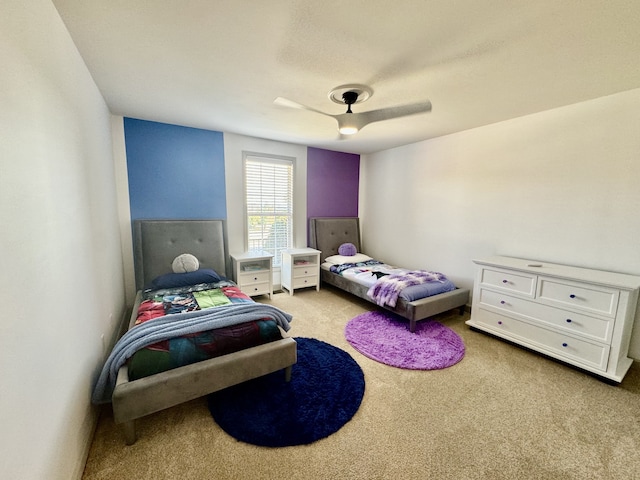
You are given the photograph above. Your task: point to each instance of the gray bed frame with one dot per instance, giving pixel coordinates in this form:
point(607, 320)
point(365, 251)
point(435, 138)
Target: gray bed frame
point(327, 234)
point(156, 244)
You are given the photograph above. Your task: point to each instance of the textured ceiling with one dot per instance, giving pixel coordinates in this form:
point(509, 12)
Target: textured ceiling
point(220, 64)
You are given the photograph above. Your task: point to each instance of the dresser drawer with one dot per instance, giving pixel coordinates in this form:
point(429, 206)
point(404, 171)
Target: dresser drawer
point(516, 282)
point(593, 327)
point(554, 343)
point(575, 296)
point(260, 276)
point(305, 271)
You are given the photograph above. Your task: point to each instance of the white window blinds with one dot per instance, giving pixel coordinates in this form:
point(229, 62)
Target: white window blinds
point(269, 201)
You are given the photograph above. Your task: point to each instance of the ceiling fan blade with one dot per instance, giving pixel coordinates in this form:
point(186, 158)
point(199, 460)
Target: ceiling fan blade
point(393, 112)
point(284, 102)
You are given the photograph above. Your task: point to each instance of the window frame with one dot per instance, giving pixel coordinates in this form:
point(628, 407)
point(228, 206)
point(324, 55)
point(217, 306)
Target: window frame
point(273, 159)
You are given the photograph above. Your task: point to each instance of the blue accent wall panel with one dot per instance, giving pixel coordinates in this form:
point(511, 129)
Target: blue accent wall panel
point(174, 171)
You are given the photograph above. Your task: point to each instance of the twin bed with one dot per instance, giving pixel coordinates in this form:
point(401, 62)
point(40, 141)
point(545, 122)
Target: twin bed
point(156, 244)
point(328, 234)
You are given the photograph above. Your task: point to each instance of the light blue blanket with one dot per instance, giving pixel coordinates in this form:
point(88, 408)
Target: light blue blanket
point(169, 326)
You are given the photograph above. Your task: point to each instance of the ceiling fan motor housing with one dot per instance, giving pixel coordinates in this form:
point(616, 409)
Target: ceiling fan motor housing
point(350, 97)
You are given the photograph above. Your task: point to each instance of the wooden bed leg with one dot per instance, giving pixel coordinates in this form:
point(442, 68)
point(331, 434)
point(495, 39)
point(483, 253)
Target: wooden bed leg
point(129, 430)
point(287, 373)
point(462, 309)
point(412, 326)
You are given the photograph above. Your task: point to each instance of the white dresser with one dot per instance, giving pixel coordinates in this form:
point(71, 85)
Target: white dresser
point(300, 268)
point(253, 272)
point(580, 316)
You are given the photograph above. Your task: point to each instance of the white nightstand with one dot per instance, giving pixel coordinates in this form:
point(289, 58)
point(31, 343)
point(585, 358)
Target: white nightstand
point(300, 268)
point(253, 272)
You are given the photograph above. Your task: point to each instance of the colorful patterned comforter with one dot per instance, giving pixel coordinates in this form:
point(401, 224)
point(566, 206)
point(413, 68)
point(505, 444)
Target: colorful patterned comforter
point(243, 324)
point(180, 351)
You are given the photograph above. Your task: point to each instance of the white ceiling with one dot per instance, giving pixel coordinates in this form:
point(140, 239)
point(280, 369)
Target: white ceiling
point(219, 64)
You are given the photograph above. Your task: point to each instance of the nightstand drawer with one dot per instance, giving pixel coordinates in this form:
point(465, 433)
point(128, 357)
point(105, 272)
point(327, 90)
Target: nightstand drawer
point(305, 271)
point(301, 282)
point(256, 288)
point(260, 276)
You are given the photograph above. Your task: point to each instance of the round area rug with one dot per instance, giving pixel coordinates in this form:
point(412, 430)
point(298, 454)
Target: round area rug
point(387, 339)
point(325, 391)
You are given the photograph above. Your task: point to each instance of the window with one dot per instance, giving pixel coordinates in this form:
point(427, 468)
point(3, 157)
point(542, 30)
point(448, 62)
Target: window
point(269, 202)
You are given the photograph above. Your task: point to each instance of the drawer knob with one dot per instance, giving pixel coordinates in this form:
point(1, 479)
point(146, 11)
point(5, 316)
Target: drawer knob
point(568, 320)
point(499, 322)
point(565, 344)
point(502, 302)
point(505, 281)
point(255, 278)
point(572, 296)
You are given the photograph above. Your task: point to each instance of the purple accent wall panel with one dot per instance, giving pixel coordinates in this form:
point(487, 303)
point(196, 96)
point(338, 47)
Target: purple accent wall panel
point(332, 183)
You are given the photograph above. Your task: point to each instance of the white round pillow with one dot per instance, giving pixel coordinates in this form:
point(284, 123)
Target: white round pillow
point(185, 263)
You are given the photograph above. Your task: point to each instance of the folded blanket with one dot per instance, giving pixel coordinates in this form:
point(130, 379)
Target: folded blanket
point(163, 328)
point(387, 289)
point(211, 298)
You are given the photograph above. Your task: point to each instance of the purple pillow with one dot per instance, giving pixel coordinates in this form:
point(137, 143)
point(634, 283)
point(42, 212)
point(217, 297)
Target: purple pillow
point(347, 249)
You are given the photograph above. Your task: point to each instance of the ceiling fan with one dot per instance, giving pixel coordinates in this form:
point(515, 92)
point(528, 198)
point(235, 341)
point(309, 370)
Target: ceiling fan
point(349, 122)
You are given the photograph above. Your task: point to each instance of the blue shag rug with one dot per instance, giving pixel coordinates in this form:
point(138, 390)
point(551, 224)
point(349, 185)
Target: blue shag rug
point(325, 391)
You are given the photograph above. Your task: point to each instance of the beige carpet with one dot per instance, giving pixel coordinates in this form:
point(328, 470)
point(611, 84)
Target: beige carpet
point(501, 413)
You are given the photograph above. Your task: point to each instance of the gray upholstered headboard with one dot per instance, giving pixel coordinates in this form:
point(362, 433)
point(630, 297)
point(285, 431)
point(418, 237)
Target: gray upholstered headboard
point(157, 242)
point(327, 234)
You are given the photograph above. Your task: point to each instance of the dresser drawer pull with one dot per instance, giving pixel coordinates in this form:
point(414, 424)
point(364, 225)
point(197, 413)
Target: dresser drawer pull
point(572, 296)
point(568, 320)
point(505, 281)
point(499, 322)
point(502, 302)
point(565, 345)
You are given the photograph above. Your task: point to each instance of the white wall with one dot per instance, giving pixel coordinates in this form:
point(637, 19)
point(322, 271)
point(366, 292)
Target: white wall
point(234, 146)
point(62, 281)
point(124, 209)
point(560, 186)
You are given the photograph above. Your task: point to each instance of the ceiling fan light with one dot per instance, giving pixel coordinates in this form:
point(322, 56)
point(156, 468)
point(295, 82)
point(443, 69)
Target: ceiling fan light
point(348, 129)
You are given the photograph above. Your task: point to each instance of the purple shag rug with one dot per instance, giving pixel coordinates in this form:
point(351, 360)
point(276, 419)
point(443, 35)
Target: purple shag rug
point(385, 338)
